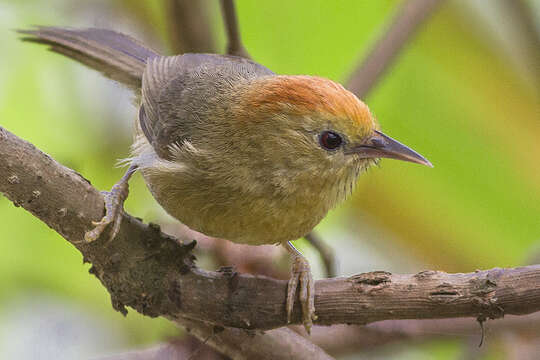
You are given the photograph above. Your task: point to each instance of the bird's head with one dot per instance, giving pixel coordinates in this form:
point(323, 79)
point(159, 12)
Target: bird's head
point(315, 123)
point(299, 139)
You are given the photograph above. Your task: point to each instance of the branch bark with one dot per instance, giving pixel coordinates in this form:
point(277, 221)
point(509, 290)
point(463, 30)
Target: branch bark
point(410, 16)
point(142, 268)
point(155, 274)
point(282, 343)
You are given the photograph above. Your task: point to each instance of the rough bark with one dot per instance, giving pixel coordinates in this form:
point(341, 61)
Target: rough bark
point(142, 267)
point(155, 274)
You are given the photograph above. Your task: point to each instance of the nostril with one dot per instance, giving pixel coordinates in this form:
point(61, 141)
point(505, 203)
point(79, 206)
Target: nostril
point(377, 142)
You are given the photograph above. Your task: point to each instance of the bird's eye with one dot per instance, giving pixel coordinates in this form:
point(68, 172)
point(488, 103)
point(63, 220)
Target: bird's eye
point(329, 140)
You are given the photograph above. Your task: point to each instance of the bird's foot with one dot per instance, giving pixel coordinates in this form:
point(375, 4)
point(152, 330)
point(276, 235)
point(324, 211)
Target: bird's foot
point(301, 274)
point(114, 209)
point(114, 204)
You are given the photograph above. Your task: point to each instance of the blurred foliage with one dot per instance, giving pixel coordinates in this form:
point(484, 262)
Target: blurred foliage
point(453, 95)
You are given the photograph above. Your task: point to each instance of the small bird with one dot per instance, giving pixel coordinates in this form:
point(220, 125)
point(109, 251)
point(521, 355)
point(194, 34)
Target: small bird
point(231, 149)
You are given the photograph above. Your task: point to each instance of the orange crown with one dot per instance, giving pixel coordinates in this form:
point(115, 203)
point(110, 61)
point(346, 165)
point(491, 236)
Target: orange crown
point(302, 94)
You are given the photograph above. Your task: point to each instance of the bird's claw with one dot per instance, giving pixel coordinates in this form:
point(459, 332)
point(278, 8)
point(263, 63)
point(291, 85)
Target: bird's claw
point(301, 273)
point(114, 205)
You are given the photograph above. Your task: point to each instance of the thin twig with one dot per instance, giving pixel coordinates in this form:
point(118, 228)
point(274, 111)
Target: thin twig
point(341, 340)
point(529, 35)
point(234, 42)
point(326, 252)
point(410, 16)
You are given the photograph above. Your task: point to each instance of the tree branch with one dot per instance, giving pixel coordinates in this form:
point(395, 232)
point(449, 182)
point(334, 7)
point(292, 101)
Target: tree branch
point(340, 340)
point(156, 275)
point(409, 18)
point(234, 42)
point(524, 23)
point(186, 348)
point(142, 268)
point(282, 343)
point(275, 344)
point(189, 26)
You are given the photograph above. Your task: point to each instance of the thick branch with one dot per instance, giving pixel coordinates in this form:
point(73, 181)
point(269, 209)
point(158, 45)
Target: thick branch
point(186, 348)
point(143, 268)
point(154, 274)
point(410, 16)
point(282, 343)
point(189, 26)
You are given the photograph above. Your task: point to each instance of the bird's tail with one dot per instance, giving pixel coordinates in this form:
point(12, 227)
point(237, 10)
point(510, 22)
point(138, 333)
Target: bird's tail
point(116, 55)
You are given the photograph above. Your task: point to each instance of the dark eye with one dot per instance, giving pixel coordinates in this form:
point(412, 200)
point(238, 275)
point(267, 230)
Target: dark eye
point(329, 140)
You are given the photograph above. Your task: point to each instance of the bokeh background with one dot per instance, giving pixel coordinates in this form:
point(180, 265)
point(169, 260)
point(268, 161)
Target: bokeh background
point(465, 93)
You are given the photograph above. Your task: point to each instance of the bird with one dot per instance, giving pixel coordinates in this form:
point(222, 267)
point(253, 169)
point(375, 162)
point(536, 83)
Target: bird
point(231, 149)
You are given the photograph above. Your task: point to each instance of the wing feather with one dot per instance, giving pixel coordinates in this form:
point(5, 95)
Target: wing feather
point(178, 91)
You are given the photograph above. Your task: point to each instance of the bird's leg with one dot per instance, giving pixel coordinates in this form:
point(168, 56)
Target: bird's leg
point(114, 207)
point(301, 273)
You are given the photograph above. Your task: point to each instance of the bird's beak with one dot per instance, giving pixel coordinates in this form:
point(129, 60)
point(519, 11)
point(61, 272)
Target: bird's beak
point(382, 146)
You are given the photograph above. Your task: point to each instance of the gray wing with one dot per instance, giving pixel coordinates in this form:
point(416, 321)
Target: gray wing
point(179, 92)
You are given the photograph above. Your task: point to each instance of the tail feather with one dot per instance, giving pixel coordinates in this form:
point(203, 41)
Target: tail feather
point(116, 55)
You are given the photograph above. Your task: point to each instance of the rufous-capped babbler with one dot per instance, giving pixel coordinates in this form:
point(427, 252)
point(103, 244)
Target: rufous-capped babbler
point(231, 149)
